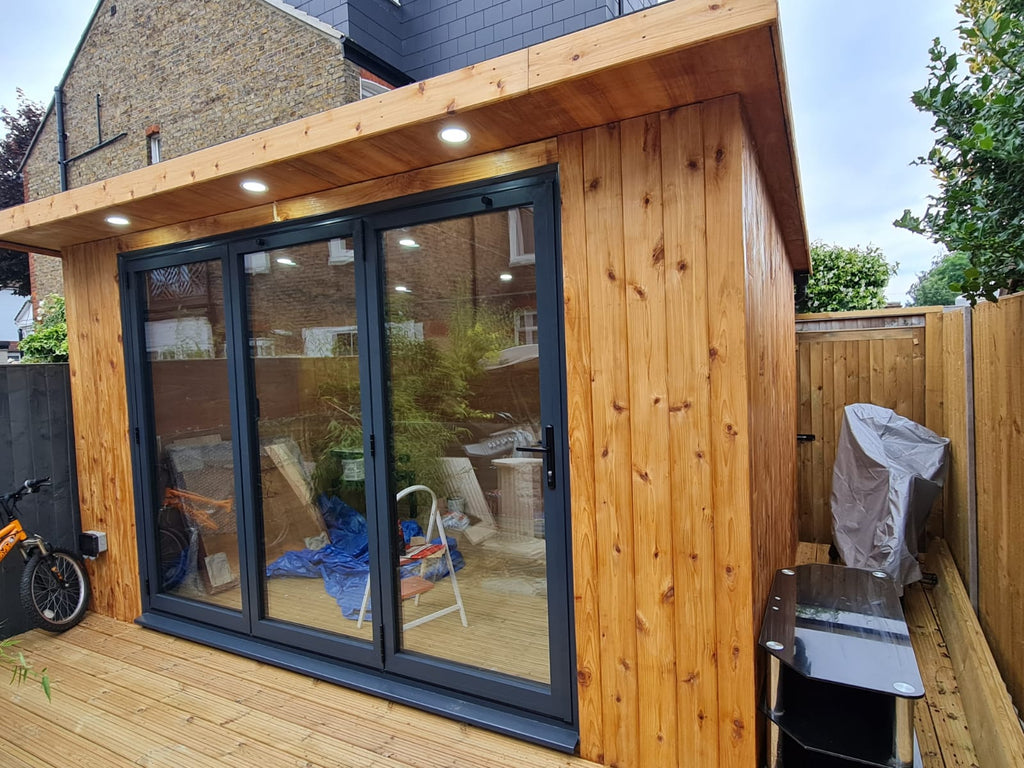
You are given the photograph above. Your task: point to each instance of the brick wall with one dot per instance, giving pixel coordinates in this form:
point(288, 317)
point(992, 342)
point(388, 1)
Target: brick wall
point(204, 71)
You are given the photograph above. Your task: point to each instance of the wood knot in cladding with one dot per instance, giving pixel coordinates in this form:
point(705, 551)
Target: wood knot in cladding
point(668, 595)
point(652, 137)
point(639, 291)
point(584, 676)
point(642, 625)
point(682, 265)
point(658, 254)
point(719, 156)
point(450, 107)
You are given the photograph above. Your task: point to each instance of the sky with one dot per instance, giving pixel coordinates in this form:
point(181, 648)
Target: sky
point(851, 64)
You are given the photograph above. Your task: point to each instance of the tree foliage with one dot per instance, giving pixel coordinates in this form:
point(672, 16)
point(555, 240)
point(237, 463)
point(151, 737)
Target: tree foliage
point(48, 343)
point(844, 279)
point(976, 97)
point(939, 286)
point(19, 128)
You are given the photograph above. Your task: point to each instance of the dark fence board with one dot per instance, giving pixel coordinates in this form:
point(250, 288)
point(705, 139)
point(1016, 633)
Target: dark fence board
point(36, 441)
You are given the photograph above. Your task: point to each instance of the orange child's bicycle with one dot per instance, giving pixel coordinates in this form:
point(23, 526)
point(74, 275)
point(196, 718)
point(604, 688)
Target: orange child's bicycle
point(54, 584)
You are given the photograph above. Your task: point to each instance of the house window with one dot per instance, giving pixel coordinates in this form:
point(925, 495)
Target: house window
point(522, 251)
point(154, 148)
point(340, 251)
point(369, 88)
point(526, 326)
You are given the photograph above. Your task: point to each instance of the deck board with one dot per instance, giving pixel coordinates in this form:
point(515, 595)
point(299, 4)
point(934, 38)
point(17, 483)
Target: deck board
point(123, 695)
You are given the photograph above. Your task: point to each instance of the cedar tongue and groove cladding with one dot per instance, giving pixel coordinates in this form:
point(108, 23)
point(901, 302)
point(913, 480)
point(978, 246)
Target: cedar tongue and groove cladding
point(681, 369)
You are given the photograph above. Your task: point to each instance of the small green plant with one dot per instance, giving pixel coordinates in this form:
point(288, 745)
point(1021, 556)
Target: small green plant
point(48, 343)
point(431, 384)
point(21, 668)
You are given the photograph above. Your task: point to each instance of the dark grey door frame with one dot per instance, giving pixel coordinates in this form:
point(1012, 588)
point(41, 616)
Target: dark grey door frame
point(555, 703)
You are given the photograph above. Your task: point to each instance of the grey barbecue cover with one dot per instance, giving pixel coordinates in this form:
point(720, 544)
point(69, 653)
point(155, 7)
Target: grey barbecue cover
point(888, 472)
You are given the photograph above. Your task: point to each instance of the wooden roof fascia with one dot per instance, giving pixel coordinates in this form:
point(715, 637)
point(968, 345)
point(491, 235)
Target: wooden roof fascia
point(12, 246)
point(359, 135)
point(797, 246)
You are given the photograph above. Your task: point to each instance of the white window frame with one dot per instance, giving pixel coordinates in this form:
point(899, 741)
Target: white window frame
point(518, 256)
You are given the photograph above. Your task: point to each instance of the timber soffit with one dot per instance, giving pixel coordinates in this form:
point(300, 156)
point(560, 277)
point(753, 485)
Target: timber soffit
point(670, 55)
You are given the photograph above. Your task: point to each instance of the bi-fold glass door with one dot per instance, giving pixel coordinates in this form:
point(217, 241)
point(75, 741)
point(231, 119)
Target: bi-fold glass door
point(352, 442)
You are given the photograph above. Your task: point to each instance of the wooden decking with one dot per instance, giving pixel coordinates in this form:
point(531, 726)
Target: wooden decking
point(940, 721)
point(124, 696)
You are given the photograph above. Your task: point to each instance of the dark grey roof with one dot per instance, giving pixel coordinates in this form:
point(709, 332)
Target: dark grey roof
point(423, 38)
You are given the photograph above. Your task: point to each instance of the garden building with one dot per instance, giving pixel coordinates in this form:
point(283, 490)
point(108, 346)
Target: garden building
point(556, 290)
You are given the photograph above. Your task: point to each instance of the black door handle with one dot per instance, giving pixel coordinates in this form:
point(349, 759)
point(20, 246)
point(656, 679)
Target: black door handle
point(548, 449)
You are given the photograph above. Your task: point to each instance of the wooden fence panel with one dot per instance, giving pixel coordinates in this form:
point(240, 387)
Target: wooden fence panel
point(844, 358)
point(999, 440)
point(35, 441)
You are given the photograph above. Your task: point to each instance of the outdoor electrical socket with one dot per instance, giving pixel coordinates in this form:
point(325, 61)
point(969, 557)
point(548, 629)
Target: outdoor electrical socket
point(92, 543)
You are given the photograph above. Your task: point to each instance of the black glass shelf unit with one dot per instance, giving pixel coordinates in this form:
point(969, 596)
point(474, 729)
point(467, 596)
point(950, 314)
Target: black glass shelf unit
point(842, 675)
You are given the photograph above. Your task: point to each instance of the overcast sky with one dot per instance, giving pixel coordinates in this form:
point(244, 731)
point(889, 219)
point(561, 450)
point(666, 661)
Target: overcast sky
point(852, 65)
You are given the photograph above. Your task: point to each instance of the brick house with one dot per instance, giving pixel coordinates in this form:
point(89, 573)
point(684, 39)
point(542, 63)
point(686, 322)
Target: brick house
point(254, 64)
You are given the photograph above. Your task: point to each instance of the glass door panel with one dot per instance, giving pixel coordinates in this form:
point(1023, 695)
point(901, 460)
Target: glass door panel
point(311, 514)
point(462, 368)
point(197, 535)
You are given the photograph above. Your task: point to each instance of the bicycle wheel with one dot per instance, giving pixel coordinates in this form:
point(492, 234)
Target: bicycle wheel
point(55, 590)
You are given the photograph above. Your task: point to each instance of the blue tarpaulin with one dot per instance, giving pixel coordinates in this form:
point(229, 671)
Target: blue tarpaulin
point(345, 562)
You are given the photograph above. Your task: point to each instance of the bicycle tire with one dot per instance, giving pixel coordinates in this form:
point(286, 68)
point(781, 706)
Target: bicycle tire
point(55, 589)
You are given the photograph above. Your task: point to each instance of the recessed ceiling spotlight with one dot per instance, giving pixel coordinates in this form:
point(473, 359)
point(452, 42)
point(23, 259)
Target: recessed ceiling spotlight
point(119, 221)
point(505, 277)
point(403, 289)
point(454, 135)
point(251, 185)
point(408, 242)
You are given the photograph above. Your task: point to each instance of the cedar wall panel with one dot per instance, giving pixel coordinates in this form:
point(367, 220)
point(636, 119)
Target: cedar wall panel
point(730, 437)
point(99, 400)
point(662, 360)
point(771, 361)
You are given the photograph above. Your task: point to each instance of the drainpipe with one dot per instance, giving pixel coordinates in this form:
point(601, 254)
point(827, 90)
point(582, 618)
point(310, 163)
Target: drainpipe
point(62, 139)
